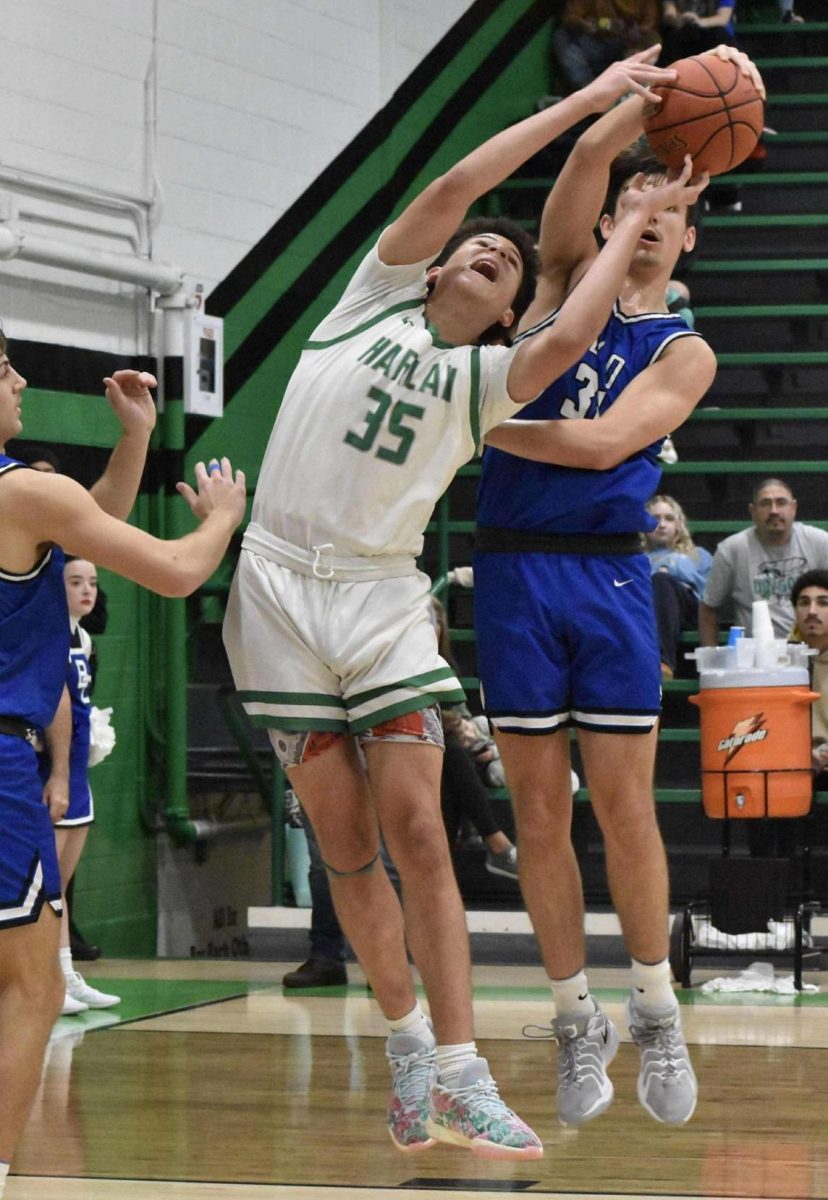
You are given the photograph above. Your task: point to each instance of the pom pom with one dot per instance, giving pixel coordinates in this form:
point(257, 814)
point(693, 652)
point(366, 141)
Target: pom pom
point(101, 735)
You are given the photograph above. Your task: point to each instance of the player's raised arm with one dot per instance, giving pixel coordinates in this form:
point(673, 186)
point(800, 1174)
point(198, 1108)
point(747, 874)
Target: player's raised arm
point(128, 393)
point(540, 359)
point(576, 201)
point(656, 402)
point(572, 209)
point(54, 509)
point(428, 222)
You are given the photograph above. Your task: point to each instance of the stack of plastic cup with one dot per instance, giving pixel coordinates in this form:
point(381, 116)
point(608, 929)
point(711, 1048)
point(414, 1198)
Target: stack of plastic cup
point(762, 631)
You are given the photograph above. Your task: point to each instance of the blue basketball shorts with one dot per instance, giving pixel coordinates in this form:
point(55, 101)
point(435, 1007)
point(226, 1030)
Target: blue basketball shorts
point(567, 639)
point(29, 874)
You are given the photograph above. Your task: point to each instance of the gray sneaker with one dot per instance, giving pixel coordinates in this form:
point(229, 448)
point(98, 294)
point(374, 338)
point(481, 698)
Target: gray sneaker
point(666, 1082)
point(503, 863)
point(587, 1045)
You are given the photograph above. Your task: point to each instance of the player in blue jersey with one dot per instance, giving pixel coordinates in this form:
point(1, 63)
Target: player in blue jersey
point(566, 630)
point(39, 513)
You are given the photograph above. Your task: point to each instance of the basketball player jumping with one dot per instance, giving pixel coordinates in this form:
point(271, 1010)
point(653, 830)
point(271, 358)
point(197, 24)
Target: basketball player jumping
point(328, 626)
point(563, 604)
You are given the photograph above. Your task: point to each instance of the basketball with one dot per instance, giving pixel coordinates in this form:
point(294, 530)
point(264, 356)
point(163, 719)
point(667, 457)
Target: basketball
point(712, 112)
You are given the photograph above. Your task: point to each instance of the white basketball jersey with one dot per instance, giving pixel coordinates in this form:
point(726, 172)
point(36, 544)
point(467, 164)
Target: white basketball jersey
point(376, 419)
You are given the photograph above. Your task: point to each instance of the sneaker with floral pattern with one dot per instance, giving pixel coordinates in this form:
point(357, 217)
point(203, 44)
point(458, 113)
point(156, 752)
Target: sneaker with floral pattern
point(470, 1113)
point(412, 1063)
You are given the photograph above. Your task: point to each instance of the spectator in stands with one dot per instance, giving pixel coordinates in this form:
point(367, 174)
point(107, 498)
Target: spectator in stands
point(468, 753)
point(809, 597)
point(692, 26)
point(325, 966)
point(787, 14)
point(594, 33)
point(679, 569)
point(761, 563)
point(678, 301)
point(328, 946)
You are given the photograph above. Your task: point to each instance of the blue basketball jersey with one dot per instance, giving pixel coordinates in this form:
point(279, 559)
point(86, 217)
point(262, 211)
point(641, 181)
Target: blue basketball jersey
point(544, 498)
point(34, 633)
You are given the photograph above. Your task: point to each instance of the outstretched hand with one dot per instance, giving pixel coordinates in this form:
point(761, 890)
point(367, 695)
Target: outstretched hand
point(746, 66)
point(128, 393)
point(634, 74)
point(640, 199)
point(217, 490)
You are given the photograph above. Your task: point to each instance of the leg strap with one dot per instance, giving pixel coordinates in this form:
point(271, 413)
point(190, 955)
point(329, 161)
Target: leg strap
point(366, 870)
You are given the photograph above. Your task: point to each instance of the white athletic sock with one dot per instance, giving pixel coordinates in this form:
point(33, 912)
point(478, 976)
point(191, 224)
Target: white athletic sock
point(414, 1023)
point(452, 1059)
point(571, 996)
point(4, 1170)
point(65, 955)
point(651, 985)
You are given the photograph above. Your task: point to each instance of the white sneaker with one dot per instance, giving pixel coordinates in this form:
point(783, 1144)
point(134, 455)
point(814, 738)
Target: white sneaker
point(88, 997)
point(71, 1006)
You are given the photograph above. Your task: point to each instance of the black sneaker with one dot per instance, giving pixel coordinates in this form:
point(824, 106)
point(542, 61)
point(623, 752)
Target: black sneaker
point(82, 951)
point(317, 973)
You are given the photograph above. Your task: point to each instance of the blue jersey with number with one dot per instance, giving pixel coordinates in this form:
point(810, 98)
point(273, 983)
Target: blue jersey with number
point(34, 633)
point(543, 498)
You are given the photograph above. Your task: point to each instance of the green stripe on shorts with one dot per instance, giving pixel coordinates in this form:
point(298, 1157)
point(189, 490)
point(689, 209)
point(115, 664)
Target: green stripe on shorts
point(412, 704)
point(300, 699)
point(414, 681)
point(299, 724)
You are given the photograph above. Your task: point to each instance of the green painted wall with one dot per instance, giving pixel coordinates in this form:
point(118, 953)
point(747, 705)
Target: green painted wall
point(115, 894)
point(245, 428)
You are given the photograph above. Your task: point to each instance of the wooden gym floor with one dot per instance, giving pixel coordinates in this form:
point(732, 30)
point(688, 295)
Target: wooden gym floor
point(208, 1083)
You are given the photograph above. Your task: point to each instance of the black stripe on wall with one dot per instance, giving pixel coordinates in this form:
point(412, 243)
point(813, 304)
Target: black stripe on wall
point(55, 368)
point(281, 316)
point(236, 285)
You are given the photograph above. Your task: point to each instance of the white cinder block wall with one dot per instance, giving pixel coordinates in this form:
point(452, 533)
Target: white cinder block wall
point(177, 129)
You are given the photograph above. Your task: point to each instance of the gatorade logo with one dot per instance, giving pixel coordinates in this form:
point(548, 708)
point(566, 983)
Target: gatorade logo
point(744, 734)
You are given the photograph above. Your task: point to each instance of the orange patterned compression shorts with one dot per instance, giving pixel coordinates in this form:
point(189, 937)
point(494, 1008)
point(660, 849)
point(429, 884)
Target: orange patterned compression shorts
point(293, 749)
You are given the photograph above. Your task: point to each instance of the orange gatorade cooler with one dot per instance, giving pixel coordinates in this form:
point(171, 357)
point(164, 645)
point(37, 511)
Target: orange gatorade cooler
point(756, 738)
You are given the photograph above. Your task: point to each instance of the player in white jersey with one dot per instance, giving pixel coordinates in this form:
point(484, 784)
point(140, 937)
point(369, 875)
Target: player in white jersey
point(328, 628)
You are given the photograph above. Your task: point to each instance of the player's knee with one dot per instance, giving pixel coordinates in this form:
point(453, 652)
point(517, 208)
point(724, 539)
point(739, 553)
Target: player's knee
point(33, 986)
point(343, 871)
point(626, 824)
point(538, 817)
point(418, 843)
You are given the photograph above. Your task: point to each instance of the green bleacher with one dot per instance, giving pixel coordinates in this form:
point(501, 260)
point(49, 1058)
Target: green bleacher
point(759, 292)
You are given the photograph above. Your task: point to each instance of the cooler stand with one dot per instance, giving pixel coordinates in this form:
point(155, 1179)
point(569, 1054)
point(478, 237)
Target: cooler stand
point(754, 701)
point(753, 910)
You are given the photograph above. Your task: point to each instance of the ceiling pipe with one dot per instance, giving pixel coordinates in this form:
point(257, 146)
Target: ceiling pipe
point(158, 277)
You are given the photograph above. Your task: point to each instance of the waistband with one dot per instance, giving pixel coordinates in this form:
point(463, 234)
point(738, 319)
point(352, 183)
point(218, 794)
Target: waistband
point(489, 539)
point(17, 727)
point(322, 562)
